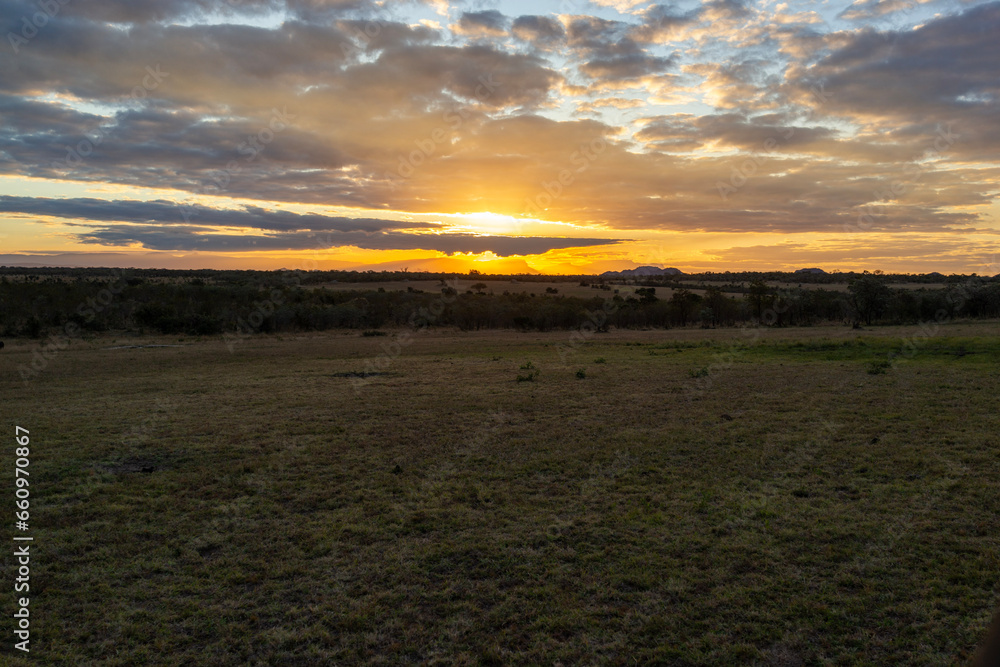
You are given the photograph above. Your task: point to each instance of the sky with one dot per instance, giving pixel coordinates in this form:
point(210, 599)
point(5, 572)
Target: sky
point(554, 136)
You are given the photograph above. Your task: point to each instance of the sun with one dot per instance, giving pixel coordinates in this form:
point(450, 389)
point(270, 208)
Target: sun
point(486, 222)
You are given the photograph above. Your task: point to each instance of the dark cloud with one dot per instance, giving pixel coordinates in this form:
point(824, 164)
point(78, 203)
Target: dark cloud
point(662, 22)
point(490, 23)
point(541, 31)
point(210, 64)
point(171, 213)
point(144, 11)
point(627, 65)
point(380, 35)
point(476, 72)
point(686, 132)
point(183, 238)
point(724, 9)
point(152, 11)
point(917, 85)
point(163, 225)
point(609, 53)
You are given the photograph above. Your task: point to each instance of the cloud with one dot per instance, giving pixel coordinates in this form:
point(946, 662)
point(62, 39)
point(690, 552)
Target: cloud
point(609, 54)
point(719, 10)
point(912, 85)
point(688, 132)
point(541, 31)
point(890, 253)
point(186, 238)
point(489, 23)
point(861, 10)
point(170, 213)
point(168, 226)
point(619, 103)
point(623, 6)
point(380, 35)
point(746, 85)
point(661, 23)
point(151, 11)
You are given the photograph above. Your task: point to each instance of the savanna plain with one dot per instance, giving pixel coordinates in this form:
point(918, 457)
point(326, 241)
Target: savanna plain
point(817, 496)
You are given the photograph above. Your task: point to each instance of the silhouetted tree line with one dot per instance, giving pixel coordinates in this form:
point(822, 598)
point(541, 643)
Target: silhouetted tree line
point(209, 303)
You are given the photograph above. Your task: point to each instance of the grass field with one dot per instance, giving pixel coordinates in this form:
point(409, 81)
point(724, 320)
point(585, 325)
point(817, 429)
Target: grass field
point(680, 497)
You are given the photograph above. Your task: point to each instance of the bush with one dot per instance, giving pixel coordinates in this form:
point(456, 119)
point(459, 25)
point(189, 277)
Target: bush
point(530, 377)
point(879, 367)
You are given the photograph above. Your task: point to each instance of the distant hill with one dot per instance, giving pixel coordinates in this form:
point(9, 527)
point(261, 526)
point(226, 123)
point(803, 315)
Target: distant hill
point(642, 271)
point(817, 271)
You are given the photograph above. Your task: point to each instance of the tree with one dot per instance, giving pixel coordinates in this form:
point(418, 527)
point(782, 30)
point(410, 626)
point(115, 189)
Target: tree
point(646, 294)
point(869, 296)
point(759, 296)
point(716, 303)
point(683, 304)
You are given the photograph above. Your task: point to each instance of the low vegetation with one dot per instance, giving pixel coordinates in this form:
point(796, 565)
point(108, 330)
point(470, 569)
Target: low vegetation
point(85, 301)
point(200, 506)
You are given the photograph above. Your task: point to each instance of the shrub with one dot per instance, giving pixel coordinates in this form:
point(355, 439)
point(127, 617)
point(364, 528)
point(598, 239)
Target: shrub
point(879, 366)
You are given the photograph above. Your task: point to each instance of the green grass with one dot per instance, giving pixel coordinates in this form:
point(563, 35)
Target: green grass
point(786, 508)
